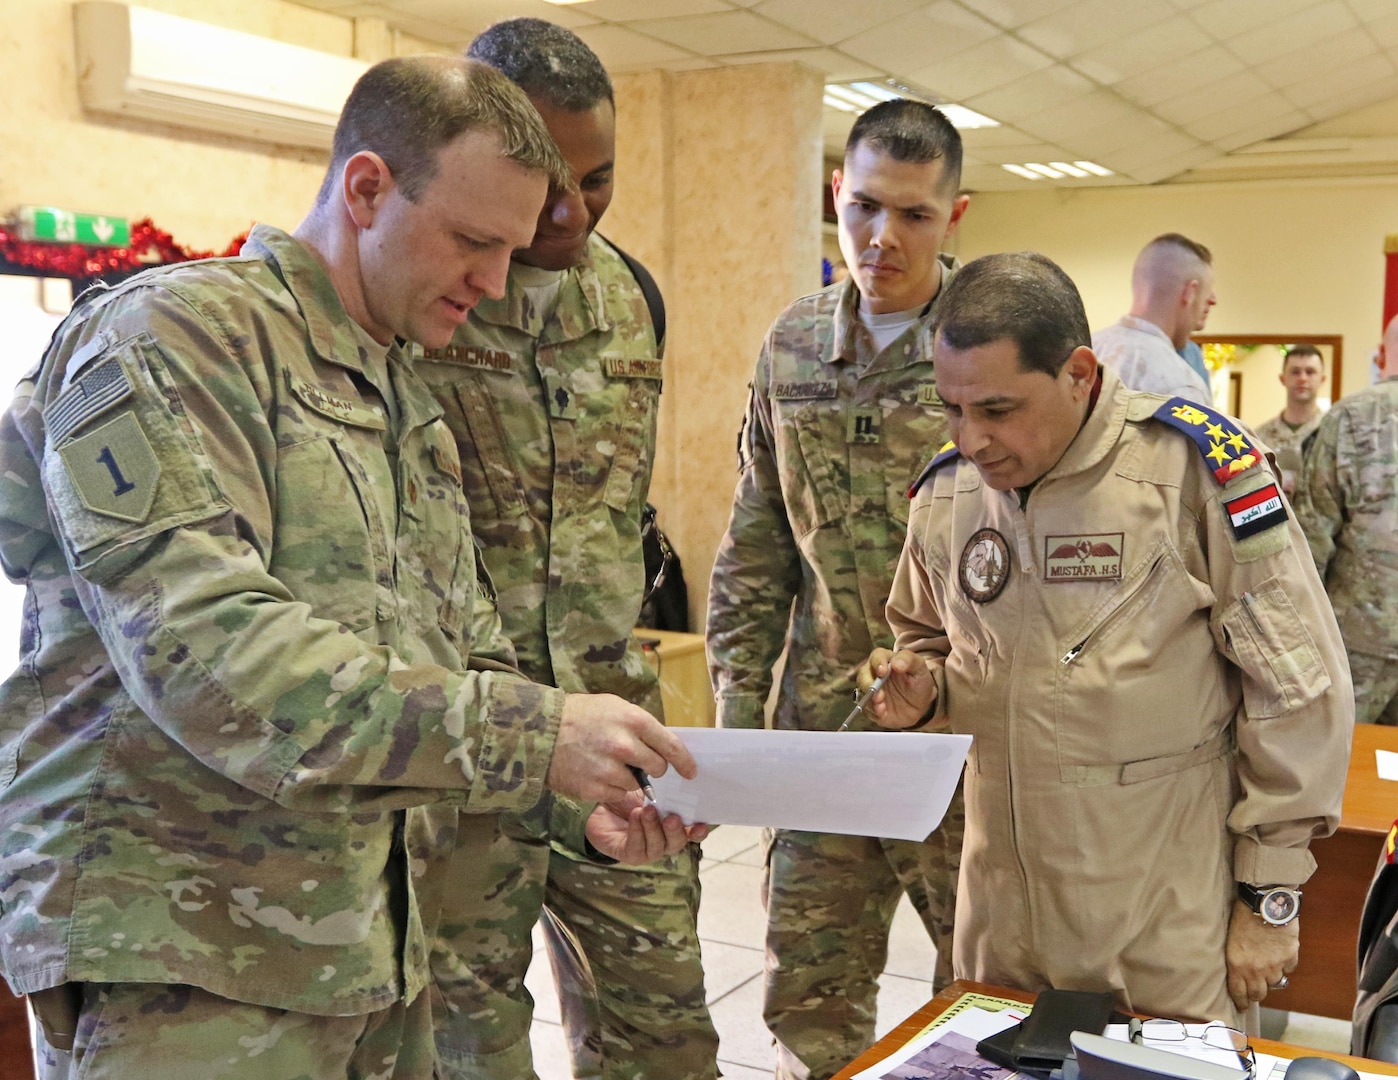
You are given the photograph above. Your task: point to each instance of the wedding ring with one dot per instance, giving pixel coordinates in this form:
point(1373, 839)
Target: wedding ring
point(1280, 984)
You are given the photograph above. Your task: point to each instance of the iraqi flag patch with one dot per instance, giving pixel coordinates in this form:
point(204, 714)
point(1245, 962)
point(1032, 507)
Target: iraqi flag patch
point(1257, 510)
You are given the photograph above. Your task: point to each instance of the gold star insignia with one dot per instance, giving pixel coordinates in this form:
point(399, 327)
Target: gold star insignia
point(1237, 442)
point(1216, 432)
point(1189, 414)
point(1218, 453)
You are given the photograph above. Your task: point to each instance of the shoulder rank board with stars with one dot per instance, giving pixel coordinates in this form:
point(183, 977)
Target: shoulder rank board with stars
point(1229, 454)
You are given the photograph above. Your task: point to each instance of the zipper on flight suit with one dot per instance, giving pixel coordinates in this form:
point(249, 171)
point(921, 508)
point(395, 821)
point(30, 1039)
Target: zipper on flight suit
point(1072, 654)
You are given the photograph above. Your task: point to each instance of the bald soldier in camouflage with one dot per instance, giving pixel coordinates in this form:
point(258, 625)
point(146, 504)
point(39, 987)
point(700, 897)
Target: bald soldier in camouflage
point(552, 394)
point(251, 598)
point(1347, 503)
point(843, 413)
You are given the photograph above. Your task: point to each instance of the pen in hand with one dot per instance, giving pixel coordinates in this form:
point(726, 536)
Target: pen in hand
point(643, 782)
point(862, 700)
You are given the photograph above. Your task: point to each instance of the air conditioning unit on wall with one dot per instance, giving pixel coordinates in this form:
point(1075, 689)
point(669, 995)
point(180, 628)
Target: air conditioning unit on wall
point(141, 63)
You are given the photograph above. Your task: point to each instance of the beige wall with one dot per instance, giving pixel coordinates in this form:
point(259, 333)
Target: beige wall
point(718, 192)
point(203, 188)
point(1290, 257)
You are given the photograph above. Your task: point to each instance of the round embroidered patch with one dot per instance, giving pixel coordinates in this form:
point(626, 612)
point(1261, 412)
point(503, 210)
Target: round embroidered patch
point(985, 566)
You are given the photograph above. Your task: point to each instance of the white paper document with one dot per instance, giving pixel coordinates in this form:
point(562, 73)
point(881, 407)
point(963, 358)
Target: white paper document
point(865, 783)
point(1387, 764)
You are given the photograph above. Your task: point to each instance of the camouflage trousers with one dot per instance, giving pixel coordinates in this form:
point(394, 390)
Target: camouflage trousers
point(1375, 688)
point(175, 1032)
point(623, 945)
point(830, 901)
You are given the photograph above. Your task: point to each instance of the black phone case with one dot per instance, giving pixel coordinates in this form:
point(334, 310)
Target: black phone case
point(1038, 1044)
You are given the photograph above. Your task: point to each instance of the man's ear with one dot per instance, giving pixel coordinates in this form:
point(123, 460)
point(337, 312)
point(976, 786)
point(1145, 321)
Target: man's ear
point(365, 183)
point(1081, 367)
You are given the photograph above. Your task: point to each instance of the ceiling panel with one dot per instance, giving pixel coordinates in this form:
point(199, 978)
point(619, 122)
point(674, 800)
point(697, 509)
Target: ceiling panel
point(1029, 151)
point(829, 21)
point(1179, 77)
point(1330, 56)
point(1083, 117)
point(1089, 24)
point(920, 38)
point(623, 10)
point(1268, 129)
point(1385, 28)
point(1051, 86)
point(1228, 18)
point(1000, 60)
point(1014, 13)
point(727, 32)
point(836, 66)
point(1361, 76)
point(1293, 32)
point(1167, 145)
point(622, 49)
point(1143, 50)
point(1210, 97)
point(1241, 117)
point(1373, 96)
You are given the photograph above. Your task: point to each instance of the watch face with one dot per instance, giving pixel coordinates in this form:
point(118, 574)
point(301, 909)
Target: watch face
point(1278, 906)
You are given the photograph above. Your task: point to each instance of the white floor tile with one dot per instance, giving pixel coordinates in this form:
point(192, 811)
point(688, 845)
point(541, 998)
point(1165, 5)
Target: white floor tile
point(726, 841)
point(1318, 1032)
point(727, 967)
point(539, 982)
point(730, 1071)
point(742, 1036)
point(910, 951)
point(899, 998)
point(730, 909)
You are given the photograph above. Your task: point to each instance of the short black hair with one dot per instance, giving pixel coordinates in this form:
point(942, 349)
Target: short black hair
point(408, 108)
point(1019, 295)
point(911, 131)
point(545, 61)
point(1304, 349)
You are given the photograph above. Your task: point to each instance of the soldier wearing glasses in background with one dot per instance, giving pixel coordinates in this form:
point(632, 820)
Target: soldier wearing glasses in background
point(552, 393)
point(1106, 589)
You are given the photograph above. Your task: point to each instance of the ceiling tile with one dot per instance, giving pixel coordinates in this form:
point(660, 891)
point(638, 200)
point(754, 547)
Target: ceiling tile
point(1173, 79)
point(982, 67)
point(1028, 95)
point(1090, 23)
point(1385, 30)
point(449, 36)
point(1028, 151)
point(1004, 135)
point(992, 178)
point(920, 38)
point(1208, 98)
point(622, 49)
point(728, 32)
point(1295, 31)
point(1332, 56)
point(1374, 92)
point(1168, 144)
point(1369, 10)
point(1339, 80)
point(1242, 117)
point(1228, 18)
point(626, 10)
point(1268, 129)
point(477, 15)
point(829, 21)
point(1013, 13)
point(1142, 50)
point(1166, 168)
point(834, 65)
point(1093, 115)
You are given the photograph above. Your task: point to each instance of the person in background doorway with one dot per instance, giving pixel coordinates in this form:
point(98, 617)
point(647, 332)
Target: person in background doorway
point(1289, 433)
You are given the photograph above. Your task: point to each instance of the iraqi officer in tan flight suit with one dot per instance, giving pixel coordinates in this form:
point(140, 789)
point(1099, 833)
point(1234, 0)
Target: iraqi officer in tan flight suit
point(1106, 588)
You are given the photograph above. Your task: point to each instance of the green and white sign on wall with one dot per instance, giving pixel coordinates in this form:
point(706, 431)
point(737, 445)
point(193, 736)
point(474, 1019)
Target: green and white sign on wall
point(67, 227)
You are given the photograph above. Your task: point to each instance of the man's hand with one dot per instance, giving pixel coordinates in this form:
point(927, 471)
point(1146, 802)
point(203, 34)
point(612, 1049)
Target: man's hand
point(1259, 954)
point(907, 697)
point(600, 737)
point(632, 832)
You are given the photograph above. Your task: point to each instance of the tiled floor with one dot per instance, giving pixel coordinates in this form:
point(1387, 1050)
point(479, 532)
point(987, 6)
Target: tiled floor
point(731, 927)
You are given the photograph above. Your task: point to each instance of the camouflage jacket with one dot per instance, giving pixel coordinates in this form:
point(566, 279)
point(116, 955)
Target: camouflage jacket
point(832, 439)
point(555, 421)
point(250, 590)
point(1347, 502)
point(1289, 445)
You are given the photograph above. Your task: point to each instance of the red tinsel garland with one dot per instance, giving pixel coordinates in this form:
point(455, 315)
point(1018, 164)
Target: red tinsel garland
point(149, 247)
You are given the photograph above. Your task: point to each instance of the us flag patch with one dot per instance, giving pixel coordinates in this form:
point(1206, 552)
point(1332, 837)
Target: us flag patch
point(1255, 511)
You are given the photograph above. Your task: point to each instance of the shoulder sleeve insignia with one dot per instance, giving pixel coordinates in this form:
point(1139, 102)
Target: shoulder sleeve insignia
point(1218, 437)
point(945, 454)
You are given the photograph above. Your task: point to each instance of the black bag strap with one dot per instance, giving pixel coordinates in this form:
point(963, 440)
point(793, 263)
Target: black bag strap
point(655, 303)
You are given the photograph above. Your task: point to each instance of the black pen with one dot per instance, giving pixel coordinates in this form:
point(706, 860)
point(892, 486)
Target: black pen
point(643, 781)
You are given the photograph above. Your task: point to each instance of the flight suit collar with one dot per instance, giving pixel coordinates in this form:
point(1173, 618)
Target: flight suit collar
point(578, 312)
point(846, 328)
point(1100, 431)
point(328, 325)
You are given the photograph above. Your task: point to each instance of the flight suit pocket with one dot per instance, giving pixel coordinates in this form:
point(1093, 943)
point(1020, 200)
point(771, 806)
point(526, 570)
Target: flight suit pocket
point(1282, 668)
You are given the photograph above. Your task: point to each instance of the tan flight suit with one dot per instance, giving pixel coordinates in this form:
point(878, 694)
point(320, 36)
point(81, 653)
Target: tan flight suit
point(1159, 708)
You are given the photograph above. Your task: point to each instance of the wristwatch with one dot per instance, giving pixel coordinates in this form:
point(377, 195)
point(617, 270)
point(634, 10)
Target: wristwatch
point(1275, 905)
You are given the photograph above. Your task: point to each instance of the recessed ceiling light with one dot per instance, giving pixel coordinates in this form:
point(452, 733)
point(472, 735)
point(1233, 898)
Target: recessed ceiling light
point(845, 93)
point(865, 95)
point(843, 106)
point(1094, 168)
point(1071, 170)
point(964, 118)
point(565, 3)
point(877, 91)
point(1043, 170)
point(1020, 170)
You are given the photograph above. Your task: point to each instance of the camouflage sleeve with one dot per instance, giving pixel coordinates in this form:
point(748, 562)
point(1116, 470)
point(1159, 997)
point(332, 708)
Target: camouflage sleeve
point(217, 650)
point(756, 573)
point(1320, 495)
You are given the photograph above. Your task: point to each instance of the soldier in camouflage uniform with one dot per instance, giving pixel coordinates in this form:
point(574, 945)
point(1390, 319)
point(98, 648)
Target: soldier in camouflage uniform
point(251, 597)
point(1288, 434)
point(842, 415)
point(1347, 503)
point(552, 394)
